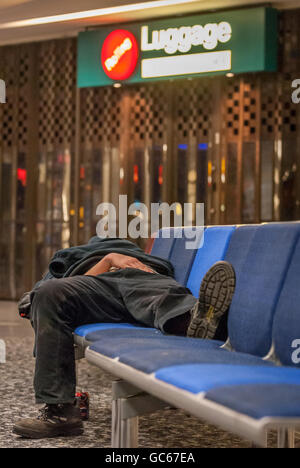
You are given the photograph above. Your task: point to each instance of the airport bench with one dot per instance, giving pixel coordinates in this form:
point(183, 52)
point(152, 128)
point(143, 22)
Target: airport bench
point(248, 385)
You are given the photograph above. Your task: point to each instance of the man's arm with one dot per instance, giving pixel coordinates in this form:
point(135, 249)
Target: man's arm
point(117, 261)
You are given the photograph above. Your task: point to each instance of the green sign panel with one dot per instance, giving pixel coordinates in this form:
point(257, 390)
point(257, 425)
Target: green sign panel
point(206, 44)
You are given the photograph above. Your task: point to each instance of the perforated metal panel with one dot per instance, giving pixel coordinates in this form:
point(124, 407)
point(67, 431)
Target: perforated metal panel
point(250, 107)
point(101, 116)
point(56, 115)
point(57, 88)
point(232, 110)
point(8, 111)
point(270, 107)
point(289, 39)
point(193, 109)
point(242, 107)
point(148, 113)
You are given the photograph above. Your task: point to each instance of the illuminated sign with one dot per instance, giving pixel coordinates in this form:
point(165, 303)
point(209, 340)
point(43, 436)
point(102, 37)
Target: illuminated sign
point(182, 39)
point(119, 54)
point(217, 43)
point(186, 64)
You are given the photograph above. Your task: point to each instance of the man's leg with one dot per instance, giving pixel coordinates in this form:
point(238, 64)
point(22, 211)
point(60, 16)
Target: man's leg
point(159, 301)
point(156, 300)
point(58, 307)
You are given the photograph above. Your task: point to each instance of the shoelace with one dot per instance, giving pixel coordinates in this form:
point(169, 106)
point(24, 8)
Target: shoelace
point(52, 414)
point(44, 413)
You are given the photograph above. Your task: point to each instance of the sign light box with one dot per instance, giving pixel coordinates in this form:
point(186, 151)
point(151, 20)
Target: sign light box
point(218, 43)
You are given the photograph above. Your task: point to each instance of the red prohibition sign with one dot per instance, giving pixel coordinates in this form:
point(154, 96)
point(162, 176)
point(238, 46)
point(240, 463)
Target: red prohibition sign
point(119, 55)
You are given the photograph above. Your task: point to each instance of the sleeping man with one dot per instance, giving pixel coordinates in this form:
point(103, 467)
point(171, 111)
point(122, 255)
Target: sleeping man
point(108, 281)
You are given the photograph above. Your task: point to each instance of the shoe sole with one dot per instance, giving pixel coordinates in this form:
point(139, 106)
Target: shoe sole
point(29, 434)
point(215, 296)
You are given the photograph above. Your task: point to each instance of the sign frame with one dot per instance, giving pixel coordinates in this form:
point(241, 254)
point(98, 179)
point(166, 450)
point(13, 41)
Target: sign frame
point(234, 41)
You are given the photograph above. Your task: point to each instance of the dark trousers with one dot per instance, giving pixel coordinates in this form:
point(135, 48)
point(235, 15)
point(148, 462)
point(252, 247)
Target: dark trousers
point(59, 306)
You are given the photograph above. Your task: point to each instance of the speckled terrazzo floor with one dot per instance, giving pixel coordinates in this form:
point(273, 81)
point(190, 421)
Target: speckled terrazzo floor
point(164, 429)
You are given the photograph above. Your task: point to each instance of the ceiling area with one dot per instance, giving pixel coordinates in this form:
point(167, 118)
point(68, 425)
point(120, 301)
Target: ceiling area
point(32, 20)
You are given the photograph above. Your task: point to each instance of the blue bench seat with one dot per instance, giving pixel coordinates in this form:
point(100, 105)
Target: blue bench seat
point(92, 332)
point(146, 353)
point(282, 399)
point(228, 386)
point(258, 401)
point(197, 378)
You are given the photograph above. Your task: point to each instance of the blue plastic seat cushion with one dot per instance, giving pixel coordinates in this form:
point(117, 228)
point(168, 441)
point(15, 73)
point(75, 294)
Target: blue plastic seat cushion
point(184, 252)
point(216, 241)
point(260, 400)
point(94, 327)
point(239, 246)
point(147, 342)
point(163, 246)
point(286, 329)
point(149, 361)
point(258, 287)
point(203, 378)
point(113, 337)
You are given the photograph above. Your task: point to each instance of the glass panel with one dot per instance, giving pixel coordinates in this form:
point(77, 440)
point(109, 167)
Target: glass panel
point(19, 259)
point(19, 228)
point(82, 203)
point(157, 174)
point(5, 240)
point(182, 168)
point(21, 187)
point(42, 188)
point(87, 195)
point(115, 177)
point(5, 226)
point(267, 177)
point(66, 194)
point(97, 185)
point(53, 207)
point(138, 176)
point(290, 173)
point(6, 188)
point(232, 190)
point(12, 196)
point(202, 172)
point(248, 207)
point(42, 250)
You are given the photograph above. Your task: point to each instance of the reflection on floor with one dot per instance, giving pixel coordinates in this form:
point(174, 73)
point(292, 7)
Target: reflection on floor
point(11, 325)
point(164, 429)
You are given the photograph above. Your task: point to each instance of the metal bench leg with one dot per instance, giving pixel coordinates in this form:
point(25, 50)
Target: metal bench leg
point(124, 432)
point(286, 438)
point(115, 424)
point(128, 404)
point(129, 433)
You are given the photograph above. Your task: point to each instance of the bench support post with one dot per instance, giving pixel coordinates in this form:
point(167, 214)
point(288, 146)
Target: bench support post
point(79, 353)
point(128, 404)
point(124, 432)
point(286, 438)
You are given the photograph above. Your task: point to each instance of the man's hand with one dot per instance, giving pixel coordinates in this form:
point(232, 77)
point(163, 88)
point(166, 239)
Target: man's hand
point(117, 261)
point(124, 261)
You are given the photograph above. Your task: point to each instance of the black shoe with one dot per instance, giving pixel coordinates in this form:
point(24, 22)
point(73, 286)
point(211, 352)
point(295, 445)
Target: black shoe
point(209, 316)
point(53, 421)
